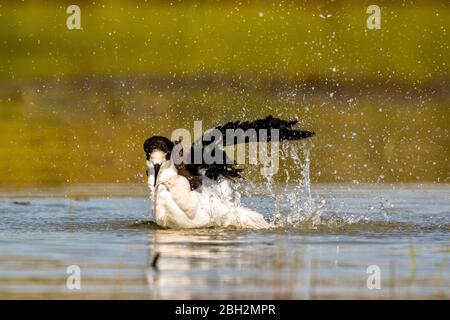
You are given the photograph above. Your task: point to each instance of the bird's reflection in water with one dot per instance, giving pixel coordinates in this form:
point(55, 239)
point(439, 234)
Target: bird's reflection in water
point(214, 263)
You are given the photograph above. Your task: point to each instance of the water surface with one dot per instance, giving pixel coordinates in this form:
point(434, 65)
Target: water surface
point(322, 252)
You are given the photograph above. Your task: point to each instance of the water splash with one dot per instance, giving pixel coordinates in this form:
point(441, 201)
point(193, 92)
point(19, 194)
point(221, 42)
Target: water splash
point(294, 203)
point(303, 208)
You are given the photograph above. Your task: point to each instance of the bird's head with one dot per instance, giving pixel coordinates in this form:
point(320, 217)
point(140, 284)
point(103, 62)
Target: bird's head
point(158, 152)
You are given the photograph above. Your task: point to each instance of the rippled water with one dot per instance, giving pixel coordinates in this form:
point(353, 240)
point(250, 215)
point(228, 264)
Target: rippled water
point(323, 251)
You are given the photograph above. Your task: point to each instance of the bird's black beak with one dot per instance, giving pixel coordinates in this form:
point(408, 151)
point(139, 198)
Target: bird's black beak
point(157, 167)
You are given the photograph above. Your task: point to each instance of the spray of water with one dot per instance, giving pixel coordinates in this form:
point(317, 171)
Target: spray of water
point(294, 205)
point(296, 199)
point(292, 198)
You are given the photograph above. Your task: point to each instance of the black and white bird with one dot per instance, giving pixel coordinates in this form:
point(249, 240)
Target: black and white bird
point(196, 195)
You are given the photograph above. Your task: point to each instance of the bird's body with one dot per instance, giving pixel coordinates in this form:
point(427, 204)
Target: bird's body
point(175, 205)
point(199, 195)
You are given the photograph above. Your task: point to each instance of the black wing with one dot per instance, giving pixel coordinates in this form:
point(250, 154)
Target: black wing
point(285, 128)
point(229, 170)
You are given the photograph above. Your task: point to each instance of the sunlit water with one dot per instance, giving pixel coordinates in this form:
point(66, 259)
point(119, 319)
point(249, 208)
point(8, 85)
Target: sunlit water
point(323, 251)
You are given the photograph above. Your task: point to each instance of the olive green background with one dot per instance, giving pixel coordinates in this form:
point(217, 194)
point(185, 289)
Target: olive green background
point(76, 105)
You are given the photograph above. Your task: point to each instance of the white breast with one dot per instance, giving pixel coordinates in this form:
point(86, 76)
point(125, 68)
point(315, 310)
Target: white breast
point(169, 215)
point(176, 206)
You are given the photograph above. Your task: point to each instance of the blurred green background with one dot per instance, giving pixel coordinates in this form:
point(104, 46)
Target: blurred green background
point(76, 105)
